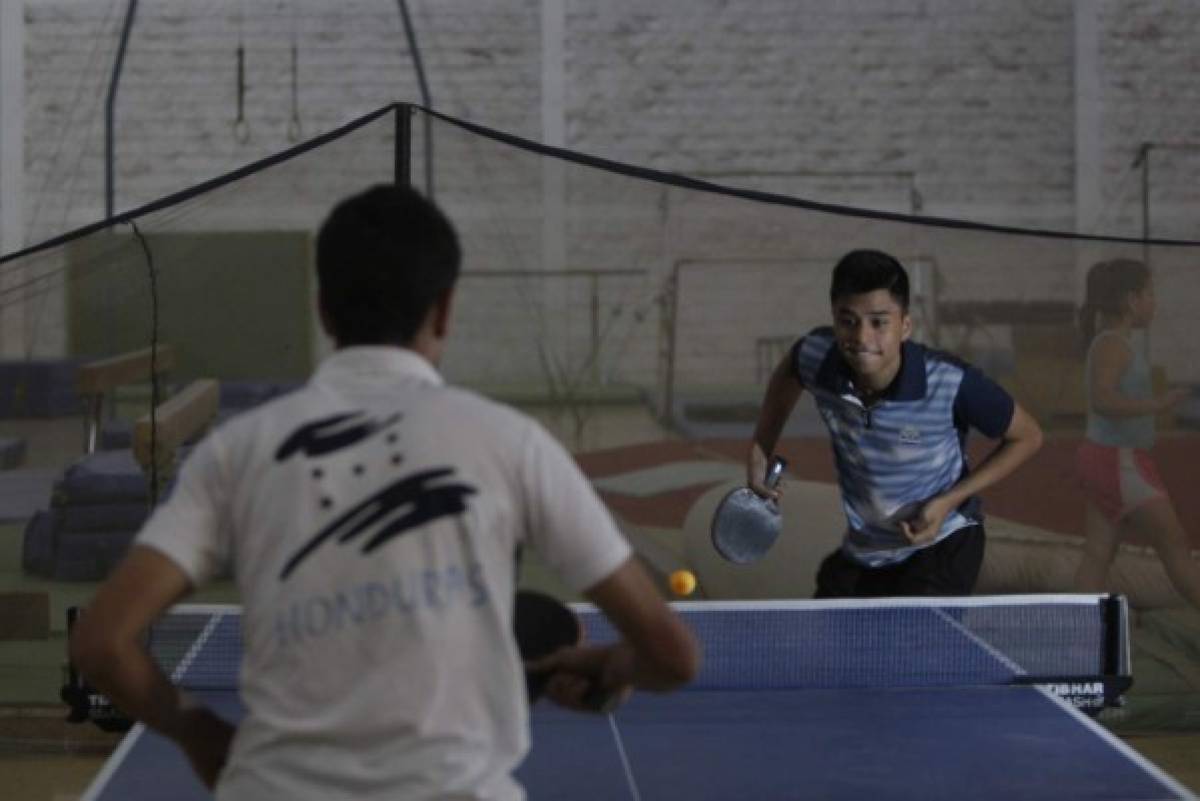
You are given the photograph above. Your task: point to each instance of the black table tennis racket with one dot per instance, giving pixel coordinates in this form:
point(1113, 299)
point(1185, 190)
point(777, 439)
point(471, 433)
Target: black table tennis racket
point(541, 625)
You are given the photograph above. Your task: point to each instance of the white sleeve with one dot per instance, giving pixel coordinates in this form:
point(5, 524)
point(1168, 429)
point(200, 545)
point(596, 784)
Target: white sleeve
point(567, 523)
point(189, 527)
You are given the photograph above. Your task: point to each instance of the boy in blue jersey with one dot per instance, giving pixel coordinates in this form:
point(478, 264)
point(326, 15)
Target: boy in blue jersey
point(898, 415)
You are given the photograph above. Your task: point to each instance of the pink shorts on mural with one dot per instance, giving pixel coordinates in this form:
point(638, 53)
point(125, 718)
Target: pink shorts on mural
point(1117, 480)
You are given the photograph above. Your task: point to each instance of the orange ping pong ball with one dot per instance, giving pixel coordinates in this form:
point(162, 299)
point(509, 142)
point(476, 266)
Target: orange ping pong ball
point(683, 582)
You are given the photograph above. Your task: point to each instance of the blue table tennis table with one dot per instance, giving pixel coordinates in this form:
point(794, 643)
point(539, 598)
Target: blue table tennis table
point(802, 700)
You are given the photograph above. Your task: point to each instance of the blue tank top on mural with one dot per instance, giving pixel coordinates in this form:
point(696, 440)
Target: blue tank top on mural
point(1135, 382)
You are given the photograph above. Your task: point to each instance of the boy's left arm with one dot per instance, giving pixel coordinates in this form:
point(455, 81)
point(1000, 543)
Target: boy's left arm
point(180, 547)
point(106, 647)
point(1020, 440)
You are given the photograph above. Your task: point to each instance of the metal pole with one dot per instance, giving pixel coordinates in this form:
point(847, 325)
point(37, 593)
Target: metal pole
point(403, 156)
point(110, 108)
point(1144, 158)
point(595, 313)
point(670, 329)
point(1143, 161)
point(426, 99)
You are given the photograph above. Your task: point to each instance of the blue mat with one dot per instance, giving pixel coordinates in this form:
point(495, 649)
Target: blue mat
point(39, 389)
point(104, 477)
point(23, 492)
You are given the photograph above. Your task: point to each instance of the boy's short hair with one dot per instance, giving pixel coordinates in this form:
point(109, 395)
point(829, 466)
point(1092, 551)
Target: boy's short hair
point(861, 271)
point(383, 258)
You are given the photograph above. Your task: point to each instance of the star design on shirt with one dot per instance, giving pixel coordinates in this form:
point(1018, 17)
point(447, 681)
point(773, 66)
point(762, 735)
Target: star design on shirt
point(401, 507)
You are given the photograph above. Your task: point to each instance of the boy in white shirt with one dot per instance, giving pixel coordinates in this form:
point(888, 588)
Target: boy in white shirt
point(372, 520)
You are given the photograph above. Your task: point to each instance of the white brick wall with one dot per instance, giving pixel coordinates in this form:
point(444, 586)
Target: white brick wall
point(178, 97)
point(12, 165)
point(1150, 57)
point(974, 100)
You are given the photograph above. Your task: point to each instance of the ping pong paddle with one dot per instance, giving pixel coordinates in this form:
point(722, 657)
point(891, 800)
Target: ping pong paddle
point(542, 624)
point(745, 526)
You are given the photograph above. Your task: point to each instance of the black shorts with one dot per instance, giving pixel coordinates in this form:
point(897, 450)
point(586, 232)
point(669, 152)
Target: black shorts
point(949, 567)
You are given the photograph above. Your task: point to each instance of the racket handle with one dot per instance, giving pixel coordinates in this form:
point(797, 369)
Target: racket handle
point(597, 699)
point(775, 471)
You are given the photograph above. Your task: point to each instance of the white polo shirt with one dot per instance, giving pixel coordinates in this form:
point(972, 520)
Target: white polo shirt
point(371, 519)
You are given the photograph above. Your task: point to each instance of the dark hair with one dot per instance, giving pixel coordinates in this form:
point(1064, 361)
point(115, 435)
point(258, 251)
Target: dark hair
point(1109, 285)
point(383, 258)
point(861, 271)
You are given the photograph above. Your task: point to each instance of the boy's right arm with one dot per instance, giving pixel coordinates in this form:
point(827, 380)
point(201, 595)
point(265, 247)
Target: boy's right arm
point(783, 390)
point(571, 529)
point(656, 652)
point(664, 653)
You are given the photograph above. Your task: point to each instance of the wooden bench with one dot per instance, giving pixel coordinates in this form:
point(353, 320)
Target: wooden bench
point(177, 420)
point(98, 379)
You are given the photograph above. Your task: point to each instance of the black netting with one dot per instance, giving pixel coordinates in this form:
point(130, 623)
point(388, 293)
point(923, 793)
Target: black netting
point(639, 315)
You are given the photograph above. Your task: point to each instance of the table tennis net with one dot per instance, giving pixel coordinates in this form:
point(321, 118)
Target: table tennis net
point(901, 643)
point(798, 644)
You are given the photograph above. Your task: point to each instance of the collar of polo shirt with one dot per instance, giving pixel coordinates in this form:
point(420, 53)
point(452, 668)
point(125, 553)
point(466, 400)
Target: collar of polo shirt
point(385, 361)
point(836, 376)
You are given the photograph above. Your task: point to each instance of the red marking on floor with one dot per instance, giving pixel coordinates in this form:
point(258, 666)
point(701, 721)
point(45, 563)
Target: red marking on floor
point(1043, 492)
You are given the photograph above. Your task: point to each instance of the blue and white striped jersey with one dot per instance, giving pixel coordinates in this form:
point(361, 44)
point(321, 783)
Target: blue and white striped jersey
point(905, 448)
